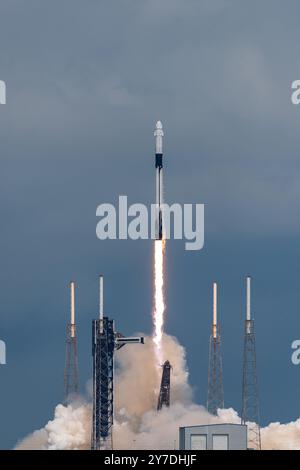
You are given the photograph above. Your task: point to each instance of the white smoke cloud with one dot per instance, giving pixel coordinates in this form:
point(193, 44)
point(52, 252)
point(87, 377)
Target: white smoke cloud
point(137, 423)
point(281, 436)
point(70, 429)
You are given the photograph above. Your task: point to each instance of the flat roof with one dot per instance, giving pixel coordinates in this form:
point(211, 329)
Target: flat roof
point(212, 424)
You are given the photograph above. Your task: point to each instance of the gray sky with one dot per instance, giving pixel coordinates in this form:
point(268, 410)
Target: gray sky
point(86, 82)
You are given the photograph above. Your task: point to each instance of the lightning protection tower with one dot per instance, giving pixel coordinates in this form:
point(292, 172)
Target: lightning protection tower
point(215, 392)
point(250, 399)
point(164, 393)
point(71, 376)
point(106, 340)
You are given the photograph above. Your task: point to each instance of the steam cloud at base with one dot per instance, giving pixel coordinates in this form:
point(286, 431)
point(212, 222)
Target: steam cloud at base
point(137, 423)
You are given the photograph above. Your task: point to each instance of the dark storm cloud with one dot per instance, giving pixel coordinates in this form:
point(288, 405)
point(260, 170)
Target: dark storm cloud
point(218, 74)
point(85, 83)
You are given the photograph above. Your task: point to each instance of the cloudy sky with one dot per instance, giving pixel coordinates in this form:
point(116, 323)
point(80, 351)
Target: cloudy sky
point(86, 82)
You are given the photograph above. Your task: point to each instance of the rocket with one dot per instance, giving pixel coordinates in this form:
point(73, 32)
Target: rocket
point(158, 134)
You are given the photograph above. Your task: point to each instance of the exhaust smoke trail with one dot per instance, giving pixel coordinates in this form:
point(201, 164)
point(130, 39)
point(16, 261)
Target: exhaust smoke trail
point(137, 423)
point(159, 302)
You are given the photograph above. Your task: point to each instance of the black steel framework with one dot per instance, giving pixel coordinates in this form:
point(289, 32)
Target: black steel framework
point(250, 399)
point(105, 341)
point(103, 375)
point(164, 393)
point(215, 391)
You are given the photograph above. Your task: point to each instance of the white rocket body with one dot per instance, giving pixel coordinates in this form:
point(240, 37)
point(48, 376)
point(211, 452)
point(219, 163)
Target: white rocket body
point(158, 133)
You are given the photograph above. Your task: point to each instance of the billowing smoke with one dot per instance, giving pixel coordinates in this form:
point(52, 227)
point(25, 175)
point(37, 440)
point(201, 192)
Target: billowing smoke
point(281, 436)
point(70, 429)
point(137, 423)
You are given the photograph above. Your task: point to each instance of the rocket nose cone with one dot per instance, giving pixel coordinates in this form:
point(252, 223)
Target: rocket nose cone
point(158, 125)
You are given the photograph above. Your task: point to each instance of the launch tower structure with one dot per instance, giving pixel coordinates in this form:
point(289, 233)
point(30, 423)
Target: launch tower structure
point(250, 399)
point(164, 393)
point(215, 391)
point(71, 376)
point(106, 340)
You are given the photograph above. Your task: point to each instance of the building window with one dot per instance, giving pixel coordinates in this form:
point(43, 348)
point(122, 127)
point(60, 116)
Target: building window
point(198, 442)
point(220, 441)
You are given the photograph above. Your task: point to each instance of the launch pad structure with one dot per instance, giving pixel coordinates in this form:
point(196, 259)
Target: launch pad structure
point(215, 392)
point(106, 340)
point(250, 402)
point(165, 386)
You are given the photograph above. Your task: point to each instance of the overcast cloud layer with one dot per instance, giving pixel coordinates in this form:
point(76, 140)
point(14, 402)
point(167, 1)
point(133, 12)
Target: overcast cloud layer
point(86, 82)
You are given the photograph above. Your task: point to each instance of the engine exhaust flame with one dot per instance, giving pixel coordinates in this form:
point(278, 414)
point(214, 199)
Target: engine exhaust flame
point(159, 304)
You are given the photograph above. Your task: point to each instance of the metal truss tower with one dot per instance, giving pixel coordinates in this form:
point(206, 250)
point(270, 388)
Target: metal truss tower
point(105, 342)
point(164, 393)
point(250, 400)
point(71, 376)
point(215, 391)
